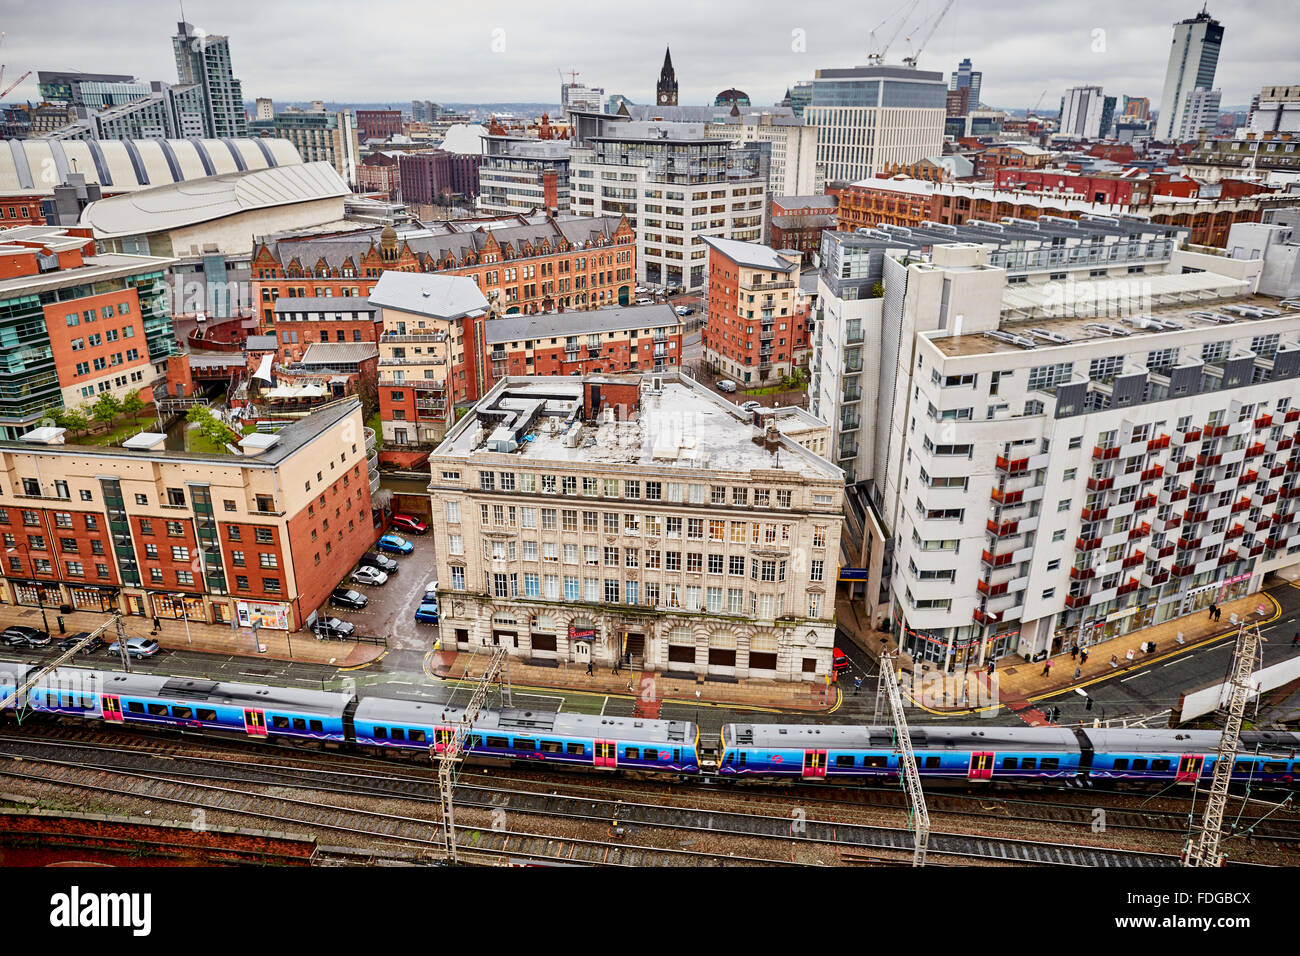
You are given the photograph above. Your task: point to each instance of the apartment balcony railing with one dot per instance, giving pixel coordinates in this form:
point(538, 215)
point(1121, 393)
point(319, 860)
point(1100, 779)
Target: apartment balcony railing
point(1100, 484)
point(1191, 517)
point(1003, 530)
point(1255, 450)
point(1005, 498)
point(419, 384)
point(1012, 467)
point(1128, 588)
point(1227, 558)
point(1215, 431)
point(1191, 435)
point(1082, 574)
point(1076, 600)
point(1165, 551)
point(1187, 464)
point(1145, 502)
point(996, 560)
point(1291, 416)
point(1094, 514)
point(1151, 474)
point(1133, 560)
point(1141, 531)
point(1087, 544)
point(1264, 421)
point(1208, 461)
point(1157, 444)
point(768, 286)
point(1102, 453)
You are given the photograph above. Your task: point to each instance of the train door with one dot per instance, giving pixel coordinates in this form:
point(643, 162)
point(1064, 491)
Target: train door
point(442, 738)
point(814, 764)
point(1189, 768)
point(981, 766)
point(254, 723)
point(606, 754)
point(111, 708)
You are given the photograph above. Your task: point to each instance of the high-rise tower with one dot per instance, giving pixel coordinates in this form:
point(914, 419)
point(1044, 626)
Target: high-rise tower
point(203, 60)
point(1192, 59)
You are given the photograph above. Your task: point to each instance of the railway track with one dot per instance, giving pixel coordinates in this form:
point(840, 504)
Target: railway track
point(586, 809)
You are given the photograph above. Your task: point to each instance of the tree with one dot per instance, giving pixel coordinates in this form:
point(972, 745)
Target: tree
point(878, 290)
point(132, 405)
point(106, 408)
point(74, 420)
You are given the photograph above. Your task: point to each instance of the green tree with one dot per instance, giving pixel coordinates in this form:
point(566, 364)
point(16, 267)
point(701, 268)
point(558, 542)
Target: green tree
point(132, 405)
point(106, 408)
point(74, 420)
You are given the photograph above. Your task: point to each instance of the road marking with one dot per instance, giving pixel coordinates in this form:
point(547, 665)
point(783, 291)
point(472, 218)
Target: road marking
point(1136, 676)
point(1176, 660)
point(604, 705)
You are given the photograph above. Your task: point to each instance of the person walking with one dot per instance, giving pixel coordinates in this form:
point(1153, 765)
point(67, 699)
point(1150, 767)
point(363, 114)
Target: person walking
point(1211, 611)
point(1047, 668)
point(589, 668)
point(857, 685)
point(1074, 651)
point(1218, 613)
point(1295, 640)
point(1078, 672)
point(990, 667)
point(1083, 655)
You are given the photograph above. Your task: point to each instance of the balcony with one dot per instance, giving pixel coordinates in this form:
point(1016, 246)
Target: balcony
point(1151, 474)
point(1165, 551)
point(1158, 444)
point(1181, 570)
point(1277, 470)
point(1187, 464)
point(1153, 580)
point(1177, 494)
point(1256, 550)
point(1094, 514)
point(851, 394)
point(766, 336)
point(1236, 531)
point(1008, 497)
point(1249, 478)
point(1215, 431)
point(1012, 466)
point(419, 384)
point(1191, 517)
point(1087, 544)
point(413, 337)
point(996, 560)
point(369, 434)
point(1255, 450)
point(374, 483)
point(1128, 588)
point(1289, 492)
point(1228, 558)
point(1189, 544)
point(1170, 523)
point(1082, 574)
point(1189, 436)
point(1240, 506)
point(1208, 461)
point(991, 590)
point(1279, 444)
point(982, 618)
point(1264, 421)
point(1291, 416)
point(1002, 530)
point(1133, 560)
point(1145, 502)
point(1100, 484)
point(1202, 488)
point(1076, 600)
point(1141, 531)
point(1100, 453)
point(768, 286)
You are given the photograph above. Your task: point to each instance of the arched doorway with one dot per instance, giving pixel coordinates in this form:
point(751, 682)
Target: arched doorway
point(582, 639)
point(624, 295)
point(542, 636)
point(505, 630)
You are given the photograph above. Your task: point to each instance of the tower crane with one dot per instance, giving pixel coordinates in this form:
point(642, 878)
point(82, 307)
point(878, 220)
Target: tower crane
point(877, 57)
point(5, 92)
point(911, 60)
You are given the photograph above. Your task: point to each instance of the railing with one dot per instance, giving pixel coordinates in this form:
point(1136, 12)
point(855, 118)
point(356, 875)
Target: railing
point(768, 286)
point(1101, 453)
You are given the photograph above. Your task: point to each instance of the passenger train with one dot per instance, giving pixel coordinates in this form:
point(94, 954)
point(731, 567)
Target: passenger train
point(750, 752)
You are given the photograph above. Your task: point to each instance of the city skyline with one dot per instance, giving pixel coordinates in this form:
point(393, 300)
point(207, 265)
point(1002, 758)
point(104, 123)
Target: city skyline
point(512, 55)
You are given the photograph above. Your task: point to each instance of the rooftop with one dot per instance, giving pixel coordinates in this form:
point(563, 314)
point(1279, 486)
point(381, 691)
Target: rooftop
point(177, 205)
point(679, 427)
point(324, 303)
point(439, 296)
point(108, 265)
point(753, 255)
point(339, 353)
point(514, 328)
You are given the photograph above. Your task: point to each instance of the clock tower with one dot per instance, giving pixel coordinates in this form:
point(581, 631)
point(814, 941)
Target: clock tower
point(667, 89)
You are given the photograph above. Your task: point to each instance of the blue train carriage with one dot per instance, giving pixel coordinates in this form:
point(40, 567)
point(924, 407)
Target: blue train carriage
point(997, 753)
point(1186, 756)
point(807, 751)
point(12, 676)
point(69, 692)
point(191, 703)
point(385, 725)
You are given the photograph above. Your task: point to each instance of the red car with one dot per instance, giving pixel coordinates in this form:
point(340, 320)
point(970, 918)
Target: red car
point(839, 660)
point(410, 524)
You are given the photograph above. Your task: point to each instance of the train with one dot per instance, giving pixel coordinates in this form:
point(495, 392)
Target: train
point(754, 752)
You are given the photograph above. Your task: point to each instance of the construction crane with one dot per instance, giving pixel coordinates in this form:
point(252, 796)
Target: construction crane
point(877, 58)
point(911, 60)
point(10, 89)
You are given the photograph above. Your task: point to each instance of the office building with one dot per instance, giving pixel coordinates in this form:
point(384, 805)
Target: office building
point(968, 80)
point(670, 531)
point(791, 150)
point(868, 116)
point(318, 136)
point(1276, 109)
point(1201, 115)
point(523, 175)
point(1081, 115)
point(379, 124)
point(1192, 61)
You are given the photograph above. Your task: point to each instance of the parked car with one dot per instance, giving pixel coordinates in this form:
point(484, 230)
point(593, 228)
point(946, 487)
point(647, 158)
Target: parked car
point(726, 385)
point(410, 523)
point(427, 612)
point(839, 660)
point(346, 597)
point(383, 562)
point(750, 406)
point(684, 310)
point(641, 290)
point(20, 635)
point(68, 643)
point(333, 627)
point(370, 576)
point(431, 590)
point(394, 544)
point(136, 647)
point(644, 300)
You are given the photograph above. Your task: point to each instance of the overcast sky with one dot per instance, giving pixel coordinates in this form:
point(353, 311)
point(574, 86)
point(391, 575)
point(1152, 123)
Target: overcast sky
point(507, 50)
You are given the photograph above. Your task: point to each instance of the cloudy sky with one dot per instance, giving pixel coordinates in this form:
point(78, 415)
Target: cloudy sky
point(509, 50)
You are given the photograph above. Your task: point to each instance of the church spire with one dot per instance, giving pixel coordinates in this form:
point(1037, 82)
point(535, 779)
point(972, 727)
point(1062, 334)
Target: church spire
point(667, 88)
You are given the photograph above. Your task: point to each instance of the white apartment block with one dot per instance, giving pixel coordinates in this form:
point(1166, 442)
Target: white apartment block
point(585, 519)
point(1193, 57)
point(1059, 463)
point(520, 176)
point(869, 116)
point(1081, 112)
point(792, 169)
point(675, 186)
point(1202, 113)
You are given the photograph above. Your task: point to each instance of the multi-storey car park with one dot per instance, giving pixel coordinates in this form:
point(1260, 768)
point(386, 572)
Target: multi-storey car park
point(637, 516)
point(1055, 463)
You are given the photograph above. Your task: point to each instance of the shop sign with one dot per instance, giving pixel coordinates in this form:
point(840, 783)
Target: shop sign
point(581, 633)
point(273, 616)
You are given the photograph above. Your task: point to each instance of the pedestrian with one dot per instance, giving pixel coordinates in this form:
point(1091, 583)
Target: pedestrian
point(156, 625)
point(1295, 640)
point(617, 662)
point(1218, 613)
point(589, 668)
point(1047, 668)
point(1083, 655)
point(1211, 611)
point(629, 685)
point(990, 667)
point(1074, 651)
point(857, 684)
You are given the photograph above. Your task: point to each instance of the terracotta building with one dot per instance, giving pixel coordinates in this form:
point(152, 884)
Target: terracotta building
point(261, 536)
point(752, 298)
point(429, 177)
point(378, 124)
point(379, 173)
point(798, 223)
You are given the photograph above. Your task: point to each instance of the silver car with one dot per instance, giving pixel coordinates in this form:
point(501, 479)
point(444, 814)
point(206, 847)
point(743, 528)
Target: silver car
point(368, 575)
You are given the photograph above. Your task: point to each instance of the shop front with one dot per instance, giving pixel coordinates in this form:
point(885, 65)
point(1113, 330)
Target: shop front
point(93, 599)
point(272, 616)
point(582, 638)
point(179, 606)
point(38, 593)
point(505, 630)
point(541, 635)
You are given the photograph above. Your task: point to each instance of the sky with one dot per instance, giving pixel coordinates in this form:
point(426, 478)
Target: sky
point(393, 51)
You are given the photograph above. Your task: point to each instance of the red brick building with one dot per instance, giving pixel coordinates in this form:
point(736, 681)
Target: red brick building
point(523, 264)
point(430, 177)
point(378, 124)
point(379, 173)
point(263, 536)
point(301, 322)
point(752, 297)
point(798, 223)
point(21, 210)
point(634, 339)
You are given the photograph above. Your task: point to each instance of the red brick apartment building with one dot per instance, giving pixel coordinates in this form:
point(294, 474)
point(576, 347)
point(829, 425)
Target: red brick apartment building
point(429, 177)
point(522, 264)
point(301, 322)
point(752, 325)
point(261, 536)
point(798, 223)
point(634, 339)
point(378, 173)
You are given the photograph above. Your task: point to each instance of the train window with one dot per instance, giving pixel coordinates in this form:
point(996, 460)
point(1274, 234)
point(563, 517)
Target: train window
point(742, 758)
point(87, 702)
point(844, 760)
point(158, 710)
point(1120, 763)
point(299, 723)
point(631, 753)
point(317, 725)
point(1029, 763)
point(1274, 766)
point(1244, 766)
point(1160, 765)
point(1050, 763)
point(523, 743)
point(135, 707)
point(381, 733)
point(206, 714)
point(878, 760)
point(416, 736)
point(280, 721)
point(932, 761)
point(184, 713)
point(500, 743)
point(576, 749)
point(1139, 764)
point(1008, 763)
point(551, 747)
point(398, 734)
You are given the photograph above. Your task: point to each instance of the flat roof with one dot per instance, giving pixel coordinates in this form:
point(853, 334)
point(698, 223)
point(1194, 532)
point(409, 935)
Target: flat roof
point(108, 265)
point(681, 426)
point(438, 296)
point(513, 328)
point(324, 303)
point(330, 353)
point(752, 255)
